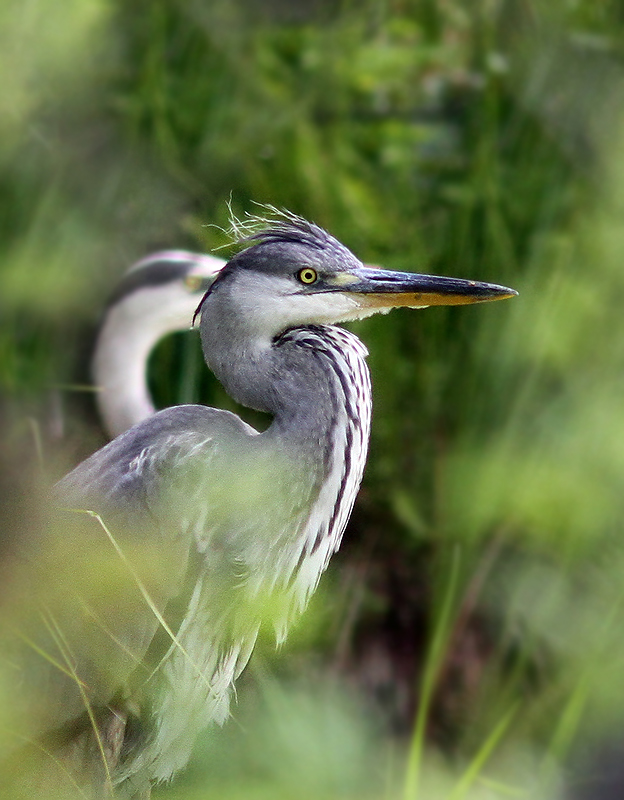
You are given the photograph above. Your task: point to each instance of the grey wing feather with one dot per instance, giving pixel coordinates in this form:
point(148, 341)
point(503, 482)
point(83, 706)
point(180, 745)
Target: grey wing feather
point(122, 475)
point(119, 571)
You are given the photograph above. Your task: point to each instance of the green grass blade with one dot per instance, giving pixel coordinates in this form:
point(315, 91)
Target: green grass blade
point(440, 638)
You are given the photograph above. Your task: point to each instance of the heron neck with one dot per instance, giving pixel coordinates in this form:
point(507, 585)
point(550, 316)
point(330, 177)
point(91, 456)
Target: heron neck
point(315, 383)
point(312, 380)
point(312, 386)
point(119, 372)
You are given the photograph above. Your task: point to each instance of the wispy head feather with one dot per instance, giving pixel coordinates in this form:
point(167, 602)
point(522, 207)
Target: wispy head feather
point(277, 225)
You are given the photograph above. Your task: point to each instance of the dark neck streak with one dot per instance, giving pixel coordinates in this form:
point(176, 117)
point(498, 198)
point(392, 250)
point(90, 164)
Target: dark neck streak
point(310, 396)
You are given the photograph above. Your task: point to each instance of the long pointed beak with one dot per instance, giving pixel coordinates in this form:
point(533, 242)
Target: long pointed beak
point(380, 288)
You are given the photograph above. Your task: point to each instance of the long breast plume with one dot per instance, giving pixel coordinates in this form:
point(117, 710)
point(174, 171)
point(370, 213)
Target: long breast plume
point(344, 458)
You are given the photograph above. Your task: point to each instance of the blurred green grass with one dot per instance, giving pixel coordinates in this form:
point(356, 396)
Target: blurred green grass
point(480, 579)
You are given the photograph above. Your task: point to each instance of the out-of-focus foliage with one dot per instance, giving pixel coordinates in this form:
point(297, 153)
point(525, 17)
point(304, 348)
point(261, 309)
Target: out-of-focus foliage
point(481, 579)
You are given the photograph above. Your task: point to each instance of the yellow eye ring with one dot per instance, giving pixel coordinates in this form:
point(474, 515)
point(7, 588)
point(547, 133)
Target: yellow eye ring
point(307, 275)
point(193, 282)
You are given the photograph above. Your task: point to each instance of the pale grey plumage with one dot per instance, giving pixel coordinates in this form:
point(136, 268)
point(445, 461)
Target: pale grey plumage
point(222, 528)
point(155, 297)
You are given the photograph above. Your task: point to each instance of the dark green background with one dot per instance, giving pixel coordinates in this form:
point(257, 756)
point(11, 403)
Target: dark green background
point(481, 577)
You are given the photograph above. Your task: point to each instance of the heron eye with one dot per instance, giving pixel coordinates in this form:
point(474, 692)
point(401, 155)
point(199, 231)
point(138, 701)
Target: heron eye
point(307, 275)
point(193, 283)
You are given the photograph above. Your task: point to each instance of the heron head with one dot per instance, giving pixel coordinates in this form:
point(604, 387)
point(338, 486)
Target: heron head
point(162, 290)
point(294, 273)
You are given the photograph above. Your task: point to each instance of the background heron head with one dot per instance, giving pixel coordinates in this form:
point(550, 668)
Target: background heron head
point(162, 289)
point(155, 297)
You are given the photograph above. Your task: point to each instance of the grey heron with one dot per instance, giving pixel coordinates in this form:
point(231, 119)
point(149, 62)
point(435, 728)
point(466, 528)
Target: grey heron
point(204, 528)
point(155, 297)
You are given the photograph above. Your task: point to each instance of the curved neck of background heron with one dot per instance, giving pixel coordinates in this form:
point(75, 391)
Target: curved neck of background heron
point(120, 372)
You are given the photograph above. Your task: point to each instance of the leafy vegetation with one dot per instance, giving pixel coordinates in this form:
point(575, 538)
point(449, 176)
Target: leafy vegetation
point(474, 611)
